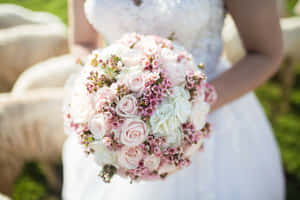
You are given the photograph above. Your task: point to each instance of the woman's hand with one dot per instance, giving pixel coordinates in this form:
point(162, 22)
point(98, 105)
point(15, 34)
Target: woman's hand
point(258, 25)
point(82, 36)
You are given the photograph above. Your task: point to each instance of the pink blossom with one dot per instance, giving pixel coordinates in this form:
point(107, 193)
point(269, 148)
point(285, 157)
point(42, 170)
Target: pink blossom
point(210, 94)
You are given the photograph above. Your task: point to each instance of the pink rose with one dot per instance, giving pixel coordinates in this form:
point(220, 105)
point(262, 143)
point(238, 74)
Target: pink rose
point(133, 132)
point(136, 83)
point(152, 162)
point(127, 106)
point(130, 157)
point(98, 126)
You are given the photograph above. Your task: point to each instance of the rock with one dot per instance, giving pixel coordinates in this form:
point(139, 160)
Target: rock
point(31, 129)
point(48, 74)
point(13, 15)
point(23, 46)
point(27, 39)
point(233, 48)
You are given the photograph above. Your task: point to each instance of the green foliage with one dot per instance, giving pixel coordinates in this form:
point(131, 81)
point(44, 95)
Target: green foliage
point(31, 185)
point(287, 130)
point(290, 4)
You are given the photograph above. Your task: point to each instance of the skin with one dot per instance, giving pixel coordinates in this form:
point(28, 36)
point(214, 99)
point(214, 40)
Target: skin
point(258, 25)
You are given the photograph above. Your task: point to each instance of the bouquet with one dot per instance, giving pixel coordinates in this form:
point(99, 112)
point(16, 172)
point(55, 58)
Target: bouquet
point(139, 108)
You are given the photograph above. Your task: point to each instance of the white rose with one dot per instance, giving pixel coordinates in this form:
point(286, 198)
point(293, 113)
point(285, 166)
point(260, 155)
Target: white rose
point(98, 126)
point(183, 106)
point(175, 138)
point(81, 105)
point(134, 78)
point(129, 157)
point(102, 154)
point(133, 132)
point(152, 162)
point(163, 120)
point(199, 113)
point(175, 71)
point(132, 57)
point(127, 106)
point(148, 45)
point(170, 114)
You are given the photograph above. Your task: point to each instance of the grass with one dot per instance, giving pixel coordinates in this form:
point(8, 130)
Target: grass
point(33, 185)
point(287, 130)
point(56, 7)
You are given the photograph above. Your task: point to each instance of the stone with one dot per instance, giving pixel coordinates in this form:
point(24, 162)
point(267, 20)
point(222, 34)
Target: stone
point(26, 39)
point(13, 15)
point(31, 127)
point(47, 74)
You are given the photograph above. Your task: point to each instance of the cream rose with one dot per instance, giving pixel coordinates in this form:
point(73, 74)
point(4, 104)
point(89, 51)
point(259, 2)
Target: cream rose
point(98, 126)
point(152, 162)
point(129, 157)
point(134, 78)
point(133, 132)
point(127, 106)
point(176, 71)
point(81, 106)
point(199, 113)
point(136, 83)
point(102, 155)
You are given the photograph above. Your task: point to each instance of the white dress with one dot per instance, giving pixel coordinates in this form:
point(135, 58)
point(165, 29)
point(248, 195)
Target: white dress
point(241, 161)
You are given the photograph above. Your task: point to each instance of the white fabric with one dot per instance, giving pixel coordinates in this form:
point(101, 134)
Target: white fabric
point(241, 160)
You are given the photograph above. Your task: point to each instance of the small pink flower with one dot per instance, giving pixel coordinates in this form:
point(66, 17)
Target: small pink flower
point(133, 132)
point(104, 95)
point(130, 157)
point(210, 94)
point(127, 107)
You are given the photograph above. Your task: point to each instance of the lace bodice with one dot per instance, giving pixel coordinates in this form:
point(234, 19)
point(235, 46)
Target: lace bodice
point(195, 24)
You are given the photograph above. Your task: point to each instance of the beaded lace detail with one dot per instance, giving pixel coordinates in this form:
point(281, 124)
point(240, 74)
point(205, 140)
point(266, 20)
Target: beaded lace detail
point(195, 24)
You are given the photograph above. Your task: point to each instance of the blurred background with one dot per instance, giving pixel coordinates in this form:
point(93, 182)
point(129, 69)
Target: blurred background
point(34, 64)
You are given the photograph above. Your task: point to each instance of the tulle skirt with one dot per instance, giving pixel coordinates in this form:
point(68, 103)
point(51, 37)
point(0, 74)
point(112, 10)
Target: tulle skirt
point(241, 161)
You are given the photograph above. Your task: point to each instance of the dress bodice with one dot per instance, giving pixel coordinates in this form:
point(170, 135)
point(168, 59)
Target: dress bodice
point(240, 161)
point(195, 24)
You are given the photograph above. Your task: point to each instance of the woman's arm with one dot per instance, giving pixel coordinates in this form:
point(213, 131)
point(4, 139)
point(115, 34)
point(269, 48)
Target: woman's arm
point(259, 28)
point(82, 37)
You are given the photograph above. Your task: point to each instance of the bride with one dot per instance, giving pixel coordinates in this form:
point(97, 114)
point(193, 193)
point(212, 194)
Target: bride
point(241, 160)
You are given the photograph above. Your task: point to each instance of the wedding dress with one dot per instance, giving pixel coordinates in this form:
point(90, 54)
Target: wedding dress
point(241, 160)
